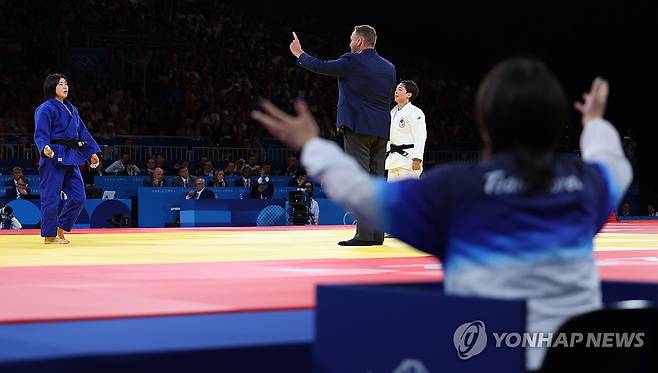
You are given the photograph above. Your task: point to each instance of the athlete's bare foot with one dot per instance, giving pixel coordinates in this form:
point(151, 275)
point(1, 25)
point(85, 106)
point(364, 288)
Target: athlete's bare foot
point(55, 240)
point(60, 233)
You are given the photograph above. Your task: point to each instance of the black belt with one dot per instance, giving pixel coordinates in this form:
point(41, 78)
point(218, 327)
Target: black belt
point(399, 149)
point(72, 143)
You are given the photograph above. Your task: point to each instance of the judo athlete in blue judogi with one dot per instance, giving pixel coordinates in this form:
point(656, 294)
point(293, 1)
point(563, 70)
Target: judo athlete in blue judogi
point(520, 223)
point(64, 144)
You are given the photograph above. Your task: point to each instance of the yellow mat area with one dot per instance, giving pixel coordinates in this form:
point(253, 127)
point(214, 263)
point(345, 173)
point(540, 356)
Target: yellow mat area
point(625, 241)
point(213, 246)
point(192, 246)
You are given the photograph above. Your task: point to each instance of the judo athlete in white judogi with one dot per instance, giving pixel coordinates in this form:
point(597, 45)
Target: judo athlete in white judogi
point(404, 151)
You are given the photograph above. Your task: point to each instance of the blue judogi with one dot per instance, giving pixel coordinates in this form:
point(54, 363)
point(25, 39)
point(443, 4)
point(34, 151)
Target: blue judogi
point(55, 120)
point(495, 241)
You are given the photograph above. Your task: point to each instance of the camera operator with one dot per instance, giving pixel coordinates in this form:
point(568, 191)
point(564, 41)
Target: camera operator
point(313, 207)
point(7, 218)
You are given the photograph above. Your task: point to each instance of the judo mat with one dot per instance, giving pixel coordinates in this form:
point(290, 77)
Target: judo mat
point(149, 291)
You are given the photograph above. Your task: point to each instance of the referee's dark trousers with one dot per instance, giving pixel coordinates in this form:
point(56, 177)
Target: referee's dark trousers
point(369, 151)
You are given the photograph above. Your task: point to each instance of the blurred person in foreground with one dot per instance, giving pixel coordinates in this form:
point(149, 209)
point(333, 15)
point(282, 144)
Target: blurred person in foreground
point(504, 227)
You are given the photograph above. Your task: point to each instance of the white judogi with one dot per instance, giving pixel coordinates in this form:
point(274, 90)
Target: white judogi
point(407, 127)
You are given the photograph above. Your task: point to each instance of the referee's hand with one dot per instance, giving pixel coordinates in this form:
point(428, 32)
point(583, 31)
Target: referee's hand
point(296, 46)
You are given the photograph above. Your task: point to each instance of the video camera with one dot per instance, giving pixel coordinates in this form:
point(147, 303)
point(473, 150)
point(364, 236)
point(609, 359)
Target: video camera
point(299, 203)
point(5, 210)
point(298, 198)
point(6, 216)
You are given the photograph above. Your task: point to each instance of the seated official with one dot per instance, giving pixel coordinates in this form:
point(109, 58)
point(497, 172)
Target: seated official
point(299, 179)
point(17, 173)
point(157, 179)
point(129, 170)
point(119, 166)
point(184, 179)
point(260, 191)
point(245, 181)
point(200, 192)
point(218, 180)
point(20, 191)
point(230, 169)
point(150, 167)
point(264, 186)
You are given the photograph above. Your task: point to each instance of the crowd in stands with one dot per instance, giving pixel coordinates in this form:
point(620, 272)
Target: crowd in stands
point(252, 174)
point(195, 69)
point(187, 69)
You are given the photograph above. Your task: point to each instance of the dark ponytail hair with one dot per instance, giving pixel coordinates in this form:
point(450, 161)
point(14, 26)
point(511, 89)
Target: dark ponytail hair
point(522, 107)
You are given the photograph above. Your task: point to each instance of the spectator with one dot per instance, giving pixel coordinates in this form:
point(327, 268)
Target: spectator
point(184, 179)
point(259, 191)
point(157, 179)
point(160, 161)
point(199, 169)
point(16, 174)
point(230, 169)
point(185, 164)
point(20, 191)
point(253, 163)
point(150, 167)
point(130, 170)
point(267, 168)
point(239, 166)
point(292, 166)
point(119, 165)
point(208, 169)
point(200, 192)
point(218, 180)
point(264, 187)
point(299, 179)
point(245, 181)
